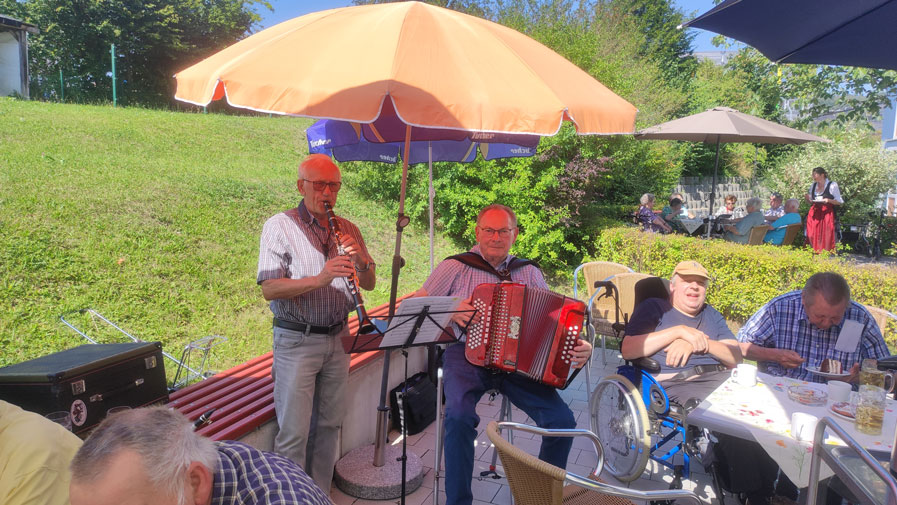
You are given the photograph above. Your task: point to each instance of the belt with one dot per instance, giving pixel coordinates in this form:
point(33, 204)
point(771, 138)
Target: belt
point(309, 328)
point(697, 370)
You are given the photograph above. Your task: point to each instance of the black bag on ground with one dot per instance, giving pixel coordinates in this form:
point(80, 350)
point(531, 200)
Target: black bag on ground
point(419, 403)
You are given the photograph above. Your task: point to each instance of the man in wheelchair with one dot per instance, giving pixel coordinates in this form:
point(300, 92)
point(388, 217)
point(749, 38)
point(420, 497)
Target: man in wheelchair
point(689, 340)
point(688, 348)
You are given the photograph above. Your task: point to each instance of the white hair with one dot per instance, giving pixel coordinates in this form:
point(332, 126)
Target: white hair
point(646, 199)
point(162, 437)
point(793, 204)
point(754, 203)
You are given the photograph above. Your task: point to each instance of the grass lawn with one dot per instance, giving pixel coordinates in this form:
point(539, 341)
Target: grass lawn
point(153, 219)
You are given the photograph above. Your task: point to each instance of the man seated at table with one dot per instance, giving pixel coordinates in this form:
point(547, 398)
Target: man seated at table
point(152, 455)
point(689, 338)
point(776, 235)
point(776, 209)
point(801, 328)
point(788, 334)
point(741, 231)
point(34, 458)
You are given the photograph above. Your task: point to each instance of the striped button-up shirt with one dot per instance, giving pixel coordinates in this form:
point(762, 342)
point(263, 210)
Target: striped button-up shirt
point(783, 324)
point(453, 278)
point(247, 476)
point(294, 245)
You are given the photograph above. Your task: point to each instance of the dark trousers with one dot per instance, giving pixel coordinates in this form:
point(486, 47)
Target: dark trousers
point(465, 384)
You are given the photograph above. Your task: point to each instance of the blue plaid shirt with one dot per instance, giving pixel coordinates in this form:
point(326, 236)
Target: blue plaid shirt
point(782, 324)
point(247, 476)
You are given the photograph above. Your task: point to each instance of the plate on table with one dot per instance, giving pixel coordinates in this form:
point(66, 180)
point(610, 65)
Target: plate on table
point(807, 395)
point(827, 375)
point(843, 410)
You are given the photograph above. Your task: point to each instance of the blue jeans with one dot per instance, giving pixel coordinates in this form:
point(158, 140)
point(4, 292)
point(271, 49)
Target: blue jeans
point(465, 384)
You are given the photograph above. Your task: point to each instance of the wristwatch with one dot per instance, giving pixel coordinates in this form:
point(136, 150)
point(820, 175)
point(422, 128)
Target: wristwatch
point(366, 267)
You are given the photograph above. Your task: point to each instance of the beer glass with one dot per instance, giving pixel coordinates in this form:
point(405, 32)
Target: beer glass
point(870, 409)
point(61, 417)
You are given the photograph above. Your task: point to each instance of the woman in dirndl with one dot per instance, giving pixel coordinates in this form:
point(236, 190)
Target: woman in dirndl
point(822, 221)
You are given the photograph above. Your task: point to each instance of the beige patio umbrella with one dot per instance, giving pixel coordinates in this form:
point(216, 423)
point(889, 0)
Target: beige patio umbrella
point(722, 125)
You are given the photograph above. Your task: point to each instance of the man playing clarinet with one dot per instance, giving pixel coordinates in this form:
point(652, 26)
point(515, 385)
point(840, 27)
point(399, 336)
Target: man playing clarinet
point(465, 383)
point(304, 277)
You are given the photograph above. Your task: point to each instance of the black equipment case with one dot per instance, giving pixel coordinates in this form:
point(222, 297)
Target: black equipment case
point(87, 381)
point(419, 401)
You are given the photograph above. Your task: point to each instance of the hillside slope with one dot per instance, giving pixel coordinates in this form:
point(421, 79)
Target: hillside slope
point(152, 218)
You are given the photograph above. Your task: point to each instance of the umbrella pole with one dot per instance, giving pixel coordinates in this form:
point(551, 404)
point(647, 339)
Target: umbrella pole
point(397, 264)
point(713, 188)
point(431, 194)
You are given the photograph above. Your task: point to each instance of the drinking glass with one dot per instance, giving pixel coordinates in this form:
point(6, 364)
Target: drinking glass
point(870, 409)
point(61, 417)
point(116, 410)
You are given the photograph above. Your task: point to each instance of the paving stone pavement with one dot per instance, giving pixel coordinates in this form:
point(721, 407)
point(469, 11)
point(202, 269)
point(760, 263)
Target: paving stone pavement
point(487, 490)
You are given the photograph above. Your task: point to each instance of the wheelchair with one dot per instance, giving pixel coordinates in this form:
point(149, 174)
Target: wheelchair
point(629, 408)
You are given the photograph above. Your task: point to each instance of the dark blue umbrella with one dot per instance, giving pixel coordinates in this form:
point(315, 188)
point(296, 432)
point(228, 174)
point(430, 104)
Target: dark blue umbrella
point(856, 33)
point(345, 141)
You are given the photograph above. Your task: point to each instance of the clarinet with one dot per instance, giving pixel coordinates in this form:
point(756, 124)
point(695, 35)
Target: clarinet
point(364, 322)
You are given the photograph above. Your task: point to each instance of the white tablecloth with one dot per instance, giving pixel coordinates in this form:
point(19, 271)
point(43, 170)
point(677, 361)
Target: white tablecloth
point(763, 413)
point(691, 225)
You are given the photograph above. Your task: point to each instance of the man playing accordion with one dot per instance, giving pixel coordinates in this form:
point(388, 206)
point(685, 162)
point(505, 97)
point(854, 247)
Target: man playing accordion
point(465, 383)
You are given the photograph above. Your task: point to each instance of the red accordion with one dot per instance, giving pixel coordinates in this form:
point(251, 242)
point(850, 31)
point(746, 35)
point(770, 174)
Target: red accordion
point(525, 330)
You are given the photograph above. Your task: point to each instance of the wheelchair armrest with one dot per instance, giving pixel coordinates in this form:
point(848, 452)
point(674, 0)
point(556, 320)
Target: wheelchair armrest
point(546, 432)
point(647, 364)
point(632, 494)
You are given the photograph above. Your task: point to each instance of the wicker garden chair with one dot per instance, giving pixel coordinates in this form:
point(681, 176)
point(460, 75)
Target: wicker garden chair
point(535, 482)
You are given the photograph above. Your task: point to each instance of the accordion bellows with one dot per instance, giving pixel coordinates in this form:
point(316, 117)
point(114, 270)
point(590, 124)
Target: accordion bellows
point(525, 330)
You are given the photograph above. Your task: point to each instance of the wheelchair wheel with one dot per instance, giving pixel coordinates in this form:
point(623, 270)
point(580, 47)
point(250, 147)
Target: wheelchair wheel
point(619, 418)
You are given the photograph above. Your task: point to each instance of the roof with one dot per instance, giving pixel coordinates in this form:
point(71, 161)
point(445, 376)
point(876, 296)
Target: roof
point(9, 23)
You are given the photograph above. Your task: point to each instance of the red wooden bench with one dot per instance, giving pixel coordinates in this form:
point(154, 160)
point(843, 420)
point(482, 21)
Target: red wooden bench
point(243, 396)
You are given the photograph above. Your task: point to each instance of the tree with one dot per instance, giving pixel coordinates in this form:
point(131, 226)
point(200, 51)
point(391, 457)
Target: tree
point(820, 94)
point(153, 40)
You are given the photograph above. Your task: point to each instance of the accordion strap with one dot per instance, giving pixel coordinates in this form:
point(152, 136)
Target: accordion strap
point(474, 260)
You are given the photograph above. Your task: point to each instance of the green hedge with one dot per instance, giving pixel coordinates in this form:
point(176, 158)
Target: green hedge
point(745, 277)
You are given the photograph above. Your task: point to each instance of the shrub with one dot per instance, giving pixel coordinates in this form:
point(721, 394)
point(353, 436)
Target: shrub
point(745, 277)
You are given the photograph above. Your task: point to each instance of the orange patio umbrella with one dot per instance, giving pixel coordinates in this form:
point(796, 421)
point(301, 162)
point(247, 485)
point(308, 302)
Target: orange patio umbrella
point(440, 68)
point(440, 73)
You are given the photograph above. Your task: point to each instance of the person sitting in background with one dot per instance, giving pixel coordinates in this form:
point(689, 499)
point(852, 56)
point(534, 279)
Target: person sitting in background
point(776, 209)
point(740, 231)
point(152, 455)
point(728, 207)
point(648, 219)
point(34, 458)
point(683, 212)
point(776, 235)
point(670, 213)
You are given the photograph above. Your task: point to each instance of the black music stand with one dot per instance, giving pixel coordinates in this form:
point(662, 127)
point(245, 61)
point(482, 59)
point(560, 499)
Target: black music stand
point(414, 327)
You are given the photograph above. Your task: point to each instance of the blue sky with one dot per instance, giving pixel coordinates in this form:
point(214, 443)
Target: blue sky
point(288, 9)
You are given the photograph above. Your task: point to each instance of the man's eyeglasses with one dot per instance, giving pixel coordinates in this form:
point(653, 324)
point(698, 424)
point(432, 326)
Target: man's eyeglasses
point(320, 185)
point(503, 233)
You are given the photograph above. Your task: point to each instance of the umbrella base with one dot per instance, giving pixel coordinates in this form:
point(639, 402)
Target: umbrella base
point(357, 476)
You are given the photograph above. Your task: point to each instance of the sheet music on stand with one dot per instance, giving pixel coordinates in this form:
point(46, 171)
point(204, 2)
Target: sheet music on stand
point(439, 310)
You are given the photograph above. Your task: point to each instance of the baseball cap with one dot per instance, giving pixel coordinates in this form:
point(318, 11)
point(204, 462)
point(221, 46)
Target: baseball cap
point(690, 268)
